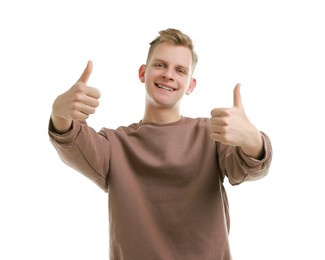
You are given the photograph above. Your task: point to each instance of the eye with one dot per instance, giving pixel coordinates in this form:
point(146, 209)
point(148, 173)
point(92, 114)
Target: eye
point(182, 71)
point(159, 65)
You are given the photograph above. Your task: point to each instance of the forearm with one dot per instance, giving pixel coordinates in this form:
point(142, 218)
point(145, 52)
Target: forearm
point(240, 167)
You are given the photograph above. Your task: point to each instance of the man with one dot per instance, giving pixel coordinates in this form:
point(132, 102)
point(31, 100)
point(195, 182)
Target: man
point(165, 173)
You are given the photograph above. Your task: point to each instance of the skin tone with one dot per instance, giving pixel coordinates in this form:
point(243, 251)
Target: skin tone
point(231, 126)
point(167, 77)
point(77, 103)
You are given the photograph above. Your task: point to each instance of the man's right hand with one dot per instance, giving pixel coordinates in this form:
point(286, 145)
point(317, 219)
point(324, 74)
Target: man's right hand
point(75, 104)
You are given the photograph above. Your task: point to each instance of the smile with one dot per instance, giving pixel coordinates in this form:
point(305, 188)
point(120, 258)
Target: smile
point(171, 89)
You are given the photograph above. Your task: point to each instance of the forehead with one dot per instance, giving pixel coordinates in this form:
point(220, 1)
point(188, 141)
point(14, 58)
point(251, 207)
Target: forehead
point(176, 55)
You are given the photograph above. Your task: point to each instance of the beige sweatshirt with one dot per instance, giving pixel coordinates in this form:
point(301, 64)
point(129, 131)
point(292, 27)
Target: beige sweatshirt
point(165, 185)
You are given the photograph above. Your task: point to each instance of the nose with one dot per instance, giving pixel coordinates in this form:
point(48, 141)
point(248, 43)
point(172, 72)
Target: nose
point(168, 74)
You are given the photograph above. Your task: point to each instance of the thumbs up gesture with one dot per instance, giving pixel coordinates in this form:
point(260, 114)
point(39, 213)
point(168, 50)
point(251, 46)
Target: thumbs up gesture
point(77, 103)
point(231, 126)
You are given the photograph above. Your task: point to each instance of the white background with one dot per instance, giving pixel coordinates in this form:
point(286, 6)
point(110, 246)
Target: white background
point(275, 49)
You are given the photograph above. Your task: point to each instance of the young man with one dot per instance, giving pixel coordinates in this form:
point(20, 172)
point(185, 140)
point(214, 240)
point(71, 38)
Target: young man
point(165, 173)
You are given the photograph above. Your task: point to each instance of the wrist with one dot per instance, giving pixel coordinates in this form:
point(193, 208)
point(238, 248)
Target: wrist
point(254, 147)
point(61, 125)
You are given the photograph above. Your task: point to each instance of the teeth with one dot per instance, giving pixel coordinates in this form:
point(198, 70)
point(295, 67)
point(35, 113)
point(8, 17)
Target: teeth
point(163, 87)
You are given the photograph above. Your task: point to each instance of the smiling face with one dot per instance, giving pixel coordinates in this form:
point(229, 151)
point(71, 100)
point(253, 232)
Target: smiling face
point(167, 76)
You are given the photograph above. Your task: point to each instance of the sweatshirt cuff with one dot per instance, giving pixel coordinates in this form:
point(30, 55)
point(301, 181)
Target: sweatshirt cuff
point(251, 161)
point(67, 136)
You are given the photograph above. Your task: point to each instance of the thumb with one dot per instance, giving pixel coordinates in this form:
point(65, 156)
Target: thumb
point(86, 73)
point(237, 97)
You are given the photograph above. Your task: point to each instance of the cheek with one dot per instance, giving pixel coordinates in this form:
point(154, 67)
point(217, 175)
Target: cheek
point(185, 84)
point(148, 76)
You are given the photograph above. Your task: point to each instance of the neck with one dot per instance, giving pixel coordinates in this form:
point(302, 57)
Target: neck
point(159, 115)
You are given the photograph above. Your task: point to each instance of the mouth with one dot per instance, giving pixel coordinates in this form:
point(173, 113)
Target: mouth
point(165, 87)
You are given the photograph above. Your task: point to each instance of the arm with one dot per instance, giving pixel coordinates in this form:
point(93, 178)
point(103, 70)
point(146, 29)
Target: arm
point(84, 150)
point(245, 152)
point(239, 167)
point(78, 145)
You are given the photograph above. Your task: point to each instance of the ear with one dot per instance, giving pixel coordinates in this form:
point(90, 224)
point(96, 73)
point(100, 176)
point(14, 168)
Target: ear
point(191, 87)
point(142, 71)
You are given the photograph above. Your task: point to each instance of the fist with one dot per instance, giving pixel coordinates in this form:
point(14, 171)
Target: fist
point(230, 125)
point(79, 101)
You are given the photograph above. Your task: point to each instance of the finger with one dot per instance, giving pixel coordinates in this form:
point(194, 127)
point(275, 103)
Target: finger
point(92, 92)
point(218, 129)
point(218, 120)
point(216, 136)
point(92, 102)
point(237, 96)
point(220, 112)
point(78, 115)
point(88, 110)
point(82, 111)
point(86, 73)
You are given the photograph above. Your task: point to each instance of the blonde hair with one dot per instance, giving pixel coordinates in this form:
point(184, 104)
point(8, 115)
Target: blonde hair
point(174, 37)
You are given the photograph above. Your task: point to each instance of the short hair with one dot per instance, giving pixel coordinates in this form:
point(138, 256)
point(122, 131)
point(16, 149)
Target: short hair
point(174, 37)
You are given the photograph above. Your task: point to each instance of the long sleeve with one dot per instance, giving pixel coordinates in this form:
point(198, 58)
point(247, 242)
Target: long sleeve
point(166, 195)
point(239, 167)
point(84, 150)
